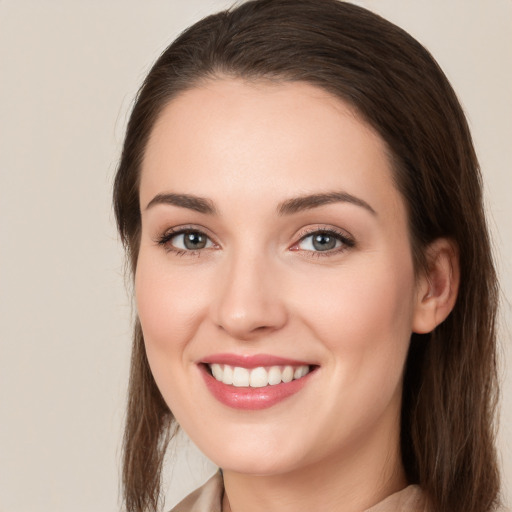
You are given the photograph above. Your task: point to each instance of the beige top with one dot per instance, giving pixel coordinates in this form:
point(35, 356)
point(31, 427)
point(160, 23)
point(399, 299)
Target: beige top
point(208, 498)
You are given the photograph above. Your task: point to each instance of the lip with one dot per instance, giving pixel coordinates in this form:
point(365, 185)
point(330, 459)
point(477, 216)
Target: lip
point(247, 398)
point(252, 361)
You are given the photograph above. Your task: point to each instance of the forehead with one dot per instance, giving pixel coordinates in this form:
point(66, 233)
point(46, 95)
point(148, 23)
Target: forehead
point(230, 138)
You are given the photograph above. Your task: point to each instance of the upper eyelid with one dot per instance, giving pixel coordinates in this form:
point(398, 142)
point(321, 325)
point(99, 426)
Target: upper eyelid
point(312, 231)
point(325, 229)
point(177, 230)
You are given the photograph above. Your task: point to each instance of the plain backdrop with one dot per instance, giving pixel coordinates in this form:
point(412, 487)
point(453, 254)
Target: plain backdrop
point(69, 71)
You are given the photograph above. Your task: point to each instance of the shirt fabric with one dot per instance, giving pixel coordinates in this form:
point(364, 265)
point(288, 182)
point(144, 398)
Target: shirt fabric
point(208, 498)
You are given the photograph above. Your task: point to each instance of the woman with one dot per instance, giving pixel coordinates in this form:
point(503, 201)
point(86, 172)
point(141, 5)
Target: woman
point(301, 204)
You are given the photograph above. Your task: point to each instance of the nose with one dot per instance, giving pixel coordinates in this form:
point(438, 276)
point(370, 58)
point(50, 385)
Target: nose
point(250, 302)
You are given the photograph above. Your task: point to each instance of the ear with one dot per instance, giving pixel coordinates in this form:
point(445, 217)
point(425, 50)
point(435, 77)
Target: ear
point(437, 286)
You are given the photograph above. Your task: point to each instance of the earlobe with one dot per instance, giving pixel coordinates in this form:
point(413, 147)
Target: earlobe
point(437, 287)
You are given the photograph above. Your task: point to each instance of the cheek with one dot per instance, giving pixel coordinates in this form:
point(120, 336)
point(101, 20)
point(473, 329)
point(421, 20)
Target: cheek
point(170, 303)
point(363, 318)
point(363, 313)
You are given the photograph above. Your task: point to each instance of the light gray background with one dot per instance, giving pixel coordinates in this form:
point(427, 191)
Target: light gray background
point(68, 73)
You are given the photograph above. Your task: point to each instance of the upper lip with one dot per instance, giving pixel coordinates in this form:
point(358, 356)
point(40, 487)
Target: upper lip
point(252, 361)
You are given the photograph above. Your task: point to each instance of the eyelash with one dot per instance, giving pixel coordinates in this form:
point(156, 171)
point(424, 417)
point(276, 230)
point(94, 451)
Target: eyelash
point(166, 238)
point(346, 240)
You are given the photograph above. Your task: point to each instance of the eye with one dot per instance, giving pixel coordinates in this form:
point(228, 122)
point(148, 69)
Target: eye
point(324, 240)
point(185, 240)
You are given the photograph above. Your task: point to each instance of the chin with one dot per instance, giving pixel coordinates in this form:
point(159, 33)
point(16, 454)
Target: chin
point(256, 465)
point(255, 454)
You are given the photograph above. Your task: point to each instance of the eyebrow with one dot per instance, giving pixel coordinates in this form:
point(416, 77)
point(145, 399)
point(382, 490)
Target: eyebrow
point(288, 207)
point(308, 202)
point(198, 204)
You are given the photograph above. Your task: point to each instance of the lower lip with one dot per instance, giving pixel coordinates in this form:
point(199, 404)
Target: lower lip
point(252, 399)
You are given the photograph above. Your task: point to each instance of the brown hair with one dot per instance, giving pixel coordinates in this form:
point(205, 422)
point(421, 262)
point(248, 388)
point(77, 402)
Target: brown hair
point(450, 385)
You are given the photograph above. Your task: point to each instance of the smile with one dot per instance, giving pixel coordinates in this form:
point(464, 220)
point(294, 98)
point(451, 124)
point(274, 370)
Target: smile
point(259, 377)
point(254, 382)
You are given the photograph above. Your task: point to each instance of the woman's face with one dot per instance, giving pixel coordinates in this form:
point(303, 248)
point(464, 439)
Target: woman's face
point(274, 246)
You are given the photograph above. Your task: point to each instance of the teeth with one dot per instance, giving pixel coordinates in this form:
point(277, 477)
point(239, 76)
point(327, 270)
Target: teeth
point(301, 371)
point(287, 374)
point(257, 377)
point(217, 371)
point(240, 377)
point(274, 375)
point(227, 375)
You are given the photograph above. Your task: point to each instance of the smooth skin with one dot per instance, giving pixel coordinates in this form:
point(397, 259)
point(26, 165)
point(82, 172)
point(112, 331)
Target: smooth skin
point(260, 284)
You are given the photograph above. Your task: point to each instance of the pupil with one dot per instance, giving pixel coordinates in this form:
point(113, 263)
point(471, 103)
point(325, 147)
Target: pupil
point(323, 242)
point(194, 240)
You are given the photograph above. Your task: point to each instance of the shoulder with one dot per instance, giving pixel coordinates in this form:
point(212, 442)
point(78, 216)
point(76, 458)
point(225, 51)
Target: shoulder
point(207, 498)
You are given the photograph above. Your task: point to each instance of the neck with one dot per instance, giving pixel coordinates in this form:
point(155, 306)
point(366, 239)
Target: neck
point(352, 481)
